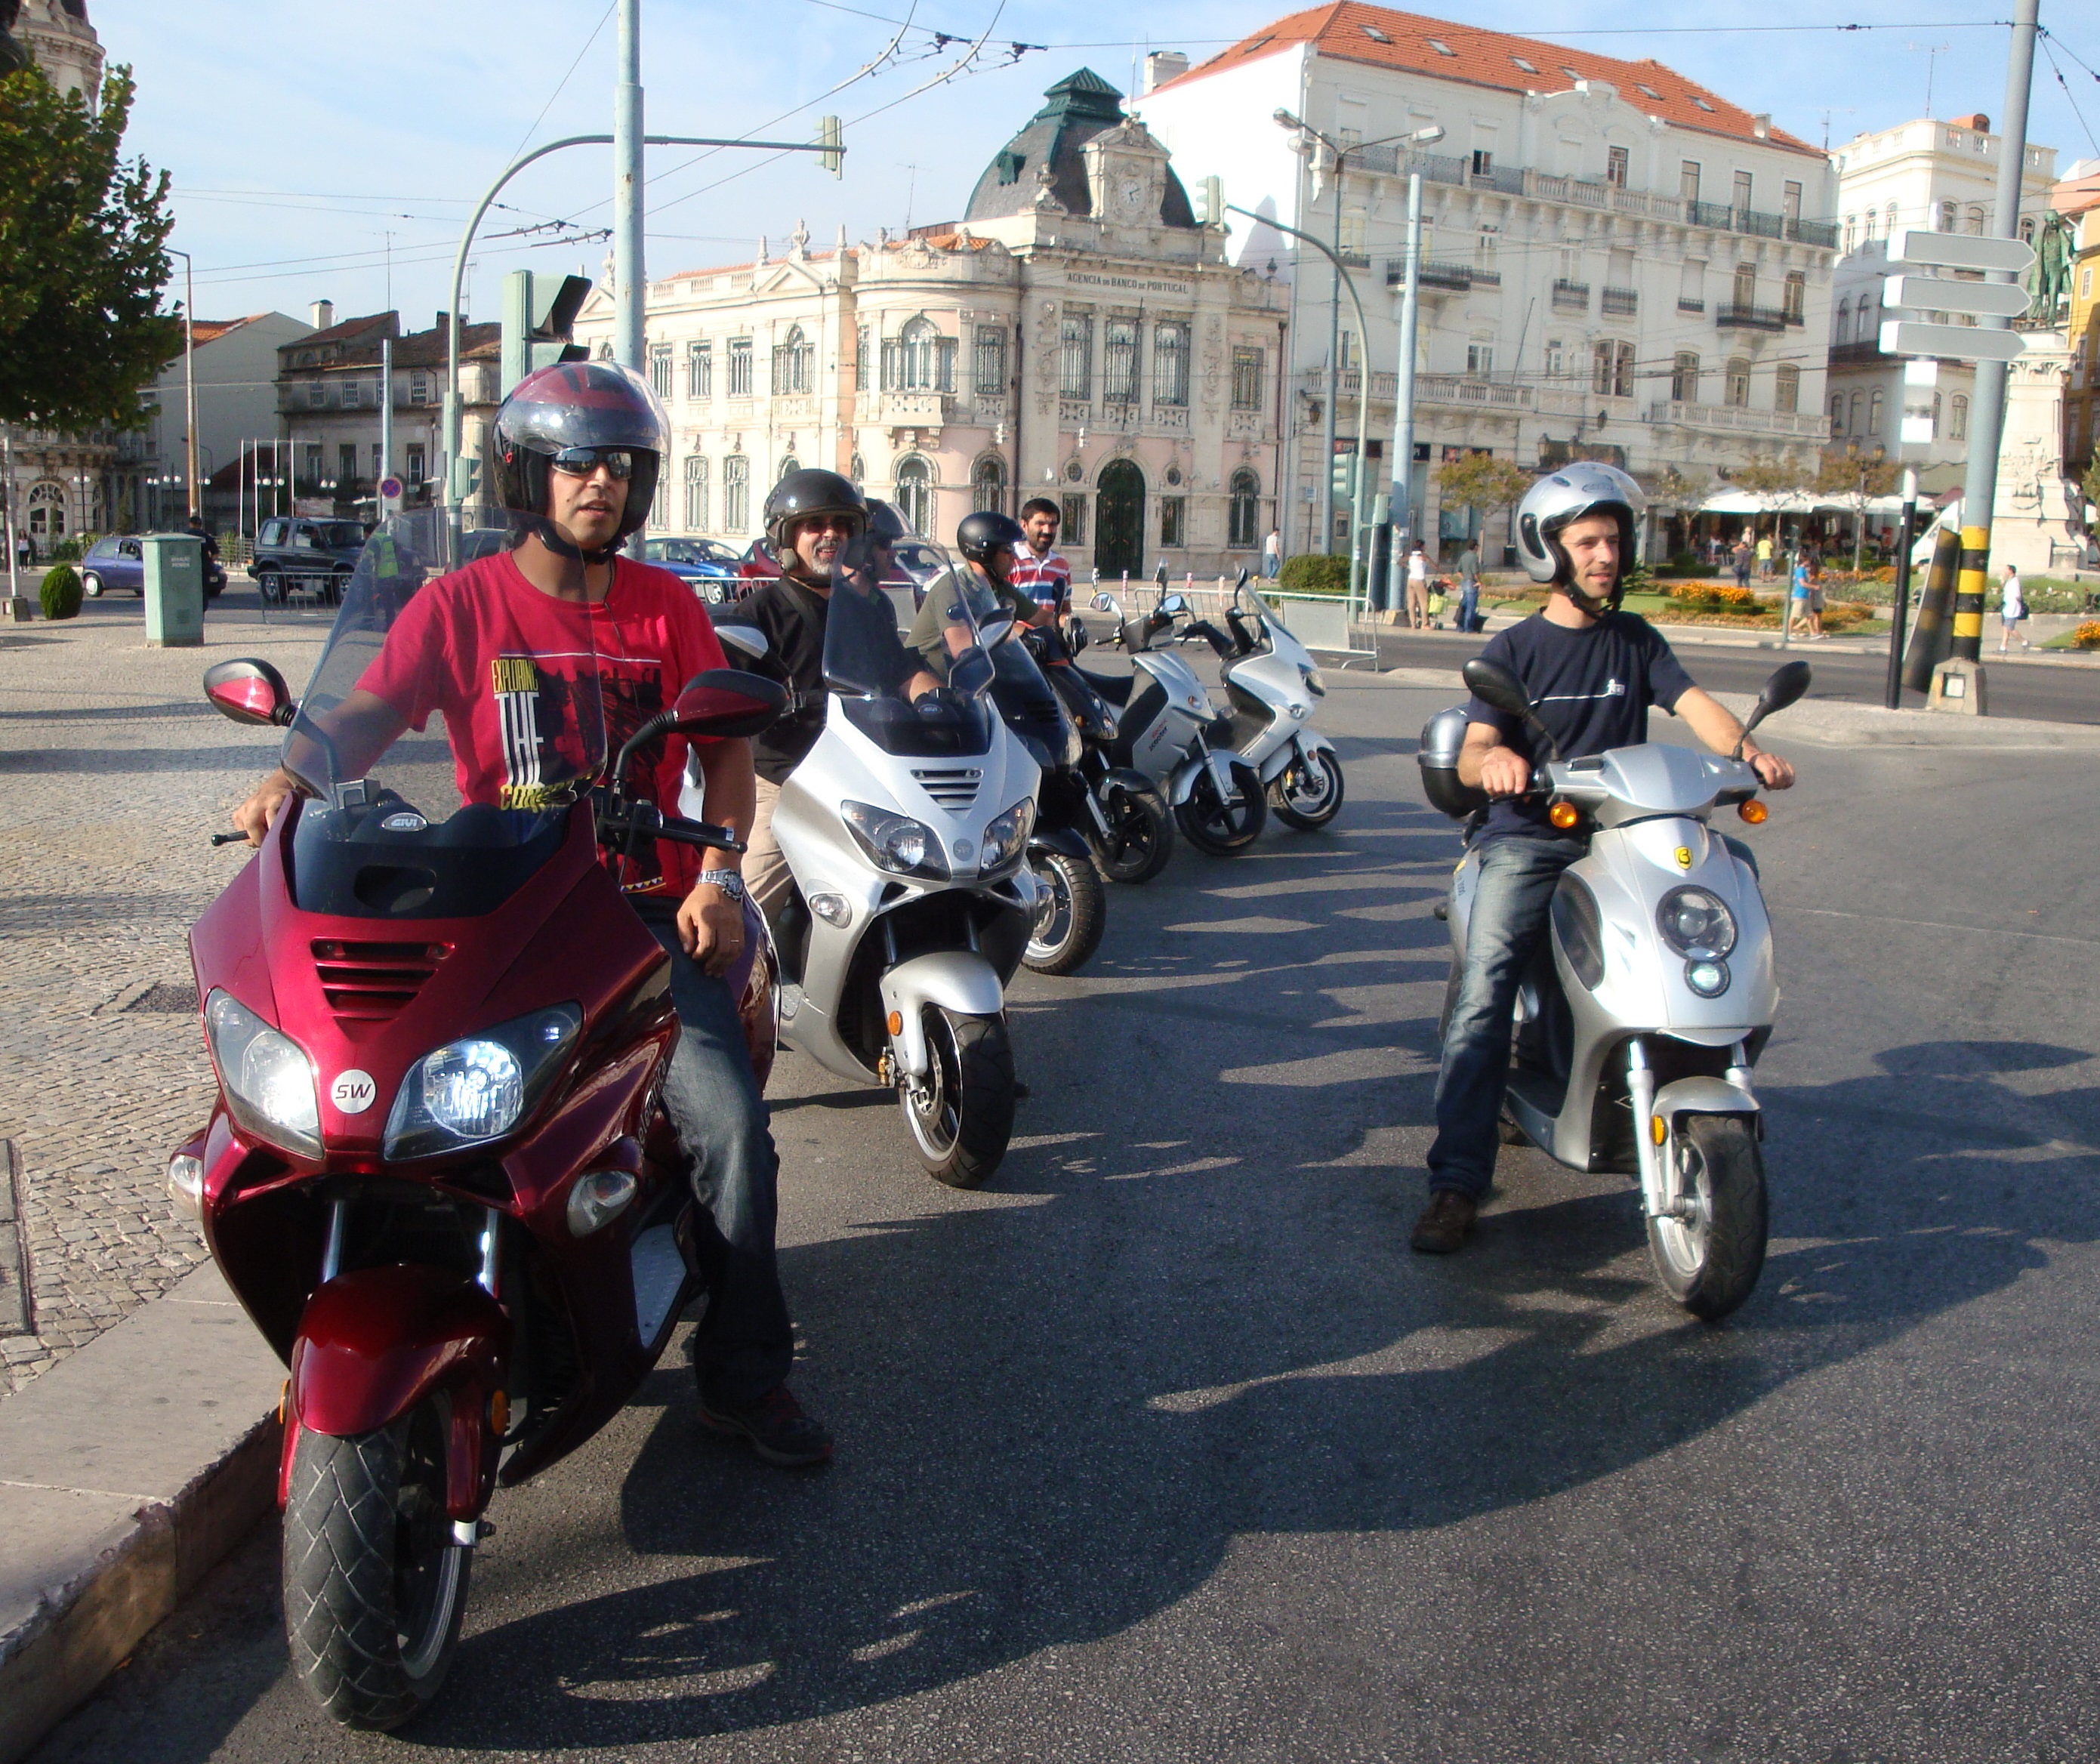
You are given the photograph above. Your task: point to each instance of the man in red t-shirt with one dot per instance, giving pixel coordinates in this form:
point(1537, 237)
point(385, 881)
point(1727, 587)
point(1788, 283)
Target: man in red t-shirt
point(521, 653)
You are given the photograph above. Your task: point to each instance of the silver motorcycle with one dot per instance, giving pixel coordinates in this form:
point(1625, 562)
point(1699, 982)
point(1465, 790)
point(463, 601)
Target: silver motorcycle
point(1641, 1019)
point(907, 829)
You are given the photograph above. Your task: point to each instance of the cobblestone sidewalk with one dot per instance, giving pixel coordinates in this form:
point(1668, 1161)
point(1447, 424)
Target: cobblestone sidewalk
point(113, 772)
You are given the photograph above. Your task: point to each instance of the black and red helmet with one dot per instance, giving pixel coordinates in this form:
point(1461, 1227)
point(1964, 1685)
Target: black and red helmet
point(577, 404)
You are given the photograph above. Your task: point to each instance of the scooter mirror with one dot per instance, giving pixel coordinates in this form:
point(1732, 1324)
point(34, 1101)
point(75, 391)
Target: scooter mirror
point(249, 692)
point(1175, 604)
point(1241, 580)
point(971, 673)
point(1785, 687)
point(1103, 604)
point(992, 635)
point(725, 701)
point(745, 640)
point(1159, 575)
point(1492, 684)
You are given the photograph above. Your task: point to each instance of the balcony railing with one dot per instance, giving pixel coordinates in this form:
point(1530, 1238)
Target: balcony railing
point(1742, 315)
point(1621, 301)
point(1571, 296)
point(1686, 304)
point(1739, 419)
point(1455, 277)
point(1857, 355)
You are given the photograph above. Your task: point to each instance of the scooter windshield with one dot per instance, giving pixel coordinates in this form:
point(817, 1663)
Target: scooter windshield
point(913, 681)
point(451, 722)
point(1250, 603)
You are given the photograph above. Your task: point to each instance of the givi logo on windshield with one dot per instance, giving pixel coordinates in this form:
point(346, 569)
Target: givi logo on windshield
point(353, 1092)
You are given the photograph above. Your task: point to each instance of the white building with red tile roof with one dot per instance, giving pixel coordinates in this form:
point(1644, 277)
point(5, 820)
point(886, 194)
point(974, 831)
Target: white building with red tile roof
point(1617, 260)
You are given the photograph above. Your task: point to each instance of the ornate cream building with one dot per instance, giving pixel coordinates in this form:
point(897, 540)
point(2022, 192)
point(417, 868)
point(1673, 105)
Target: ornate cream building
point(1077, 334)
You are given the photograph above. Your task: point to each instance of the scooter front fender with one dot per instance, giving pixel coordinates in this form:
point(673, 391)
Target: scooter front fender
point(956, 980)
point(1301, 746)
point(1067, 840)
point(1182, 786)
point(1703, 1096)
point(376, 1342)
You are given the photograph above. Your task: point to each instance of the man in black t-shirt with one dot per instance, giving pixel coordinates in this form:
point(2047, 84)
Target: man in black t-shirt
point(1591, 671)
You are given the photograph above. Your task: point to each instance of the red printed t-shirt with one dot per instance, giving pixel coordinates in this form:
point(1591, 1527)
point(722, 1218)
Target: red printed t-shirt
point(509, 668)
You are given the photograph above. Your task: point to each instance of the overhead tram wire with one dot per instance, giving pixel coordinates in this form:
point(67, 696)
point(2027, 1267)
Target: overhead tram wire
point(2067, 98)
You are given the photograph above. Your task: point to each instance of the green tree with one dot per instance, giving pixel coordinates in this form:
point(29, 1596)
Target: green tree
point(1852, 481)
point(1773, 476)
point(1481, 482)
point(81, 262)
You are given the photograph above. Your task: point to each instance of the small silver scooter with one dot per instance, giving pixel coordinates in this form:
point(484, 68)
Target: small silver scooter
point(1647, 1004)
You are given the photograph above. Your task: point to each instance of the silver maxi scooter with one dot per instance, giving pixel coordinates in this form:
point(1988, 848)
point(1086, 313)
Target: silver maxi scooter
point(907, 829)
point(1644, 1010)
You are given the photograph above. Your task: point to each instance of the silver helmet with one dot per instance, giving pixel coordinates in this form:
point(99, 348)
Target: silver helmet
point(1584, 487)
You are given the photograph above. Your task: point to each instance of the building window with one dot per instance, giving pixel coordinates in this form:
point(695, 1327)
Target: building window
point(1173, 521)
point(1851, 232)
point(378, 464)
point(1487, 250)
point(1958, 417)
point(313, 467)
point(1688, 181)
point(736, 485)
point(739, 382)
point(1746, 286)
point(1119, 362)
point(1892, 220)
point(419, 388)
point(1837, 413)
point(1170, 363)
point(1842, 332)
point(1073, 527)
point(1075, 359)
point(1684, 377)
point(1743, 187)
point(1936, 419)
point(1789, 201)
point(345, 465)
point(415, 467)
point(1556, 359)
point(1479, 360)
point(1243, 511)
point(696, 492)
point(857, 470)
point(1852, 412)
point(1353, 231)
point(1618, 165)
point(659, 369)
point(990, 361)
point(1874, 413)
point(790, 364)
point(1483, 162)
point(862, 382)
point(1735, 388)
point(1975, 221)
point(1793, 303)
point(1786, 387)
point(988, 483)
point(353, 395)
point(1874, 228)
point(1868, 309)
point(1248, 379)
point(699, 370)
point(919, 360)
point(789, 466)
point(1613, 375)
point(915, 494)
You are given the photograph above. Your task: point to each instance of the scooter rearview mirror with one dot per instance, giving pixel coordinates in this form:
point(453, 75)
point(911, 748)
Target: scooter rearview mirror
point(745, 640)
point(1788, 683)
point(1241, 581)
point(971, 673)
point(1159, 575)
point(1492, 683)
point(725, 701)
point(1175, 604)
point(1103, 604)
point(991, 636)
point(249, 691)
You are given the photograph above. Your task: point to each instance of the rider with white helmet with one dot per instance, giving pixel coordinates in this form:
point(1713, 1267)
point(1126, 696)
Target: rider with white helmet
point(1591, 670)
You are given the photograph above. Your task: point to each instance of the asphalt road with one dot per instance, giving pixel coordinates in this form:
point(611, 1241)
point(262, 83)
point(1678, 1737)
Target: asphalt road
point(1166, 1448)
point(2051, 692)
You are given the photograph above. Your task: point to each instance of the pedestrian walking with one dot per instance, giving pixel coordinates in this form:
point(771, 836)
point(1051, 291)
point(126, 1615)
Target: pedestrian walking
point(1816, 630)
point(1797, 600)
point(1740, 557)
point(1272, 555)
point(2012, 612)
point(1469, 587)
point(1417, 587)
point(1764, 557)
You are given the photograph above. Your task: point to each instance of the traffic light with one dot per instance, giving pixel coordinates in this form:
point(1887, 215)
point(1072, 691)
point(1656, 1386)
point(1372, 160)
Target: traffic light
point(833, 158)
point(466, 477)
point(539, 313)
point(1345, 479)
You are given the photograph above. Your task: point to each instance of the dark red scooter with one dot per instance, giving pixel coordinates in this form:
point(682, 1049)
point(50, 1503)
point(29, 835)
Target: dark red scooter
point(437, 1174)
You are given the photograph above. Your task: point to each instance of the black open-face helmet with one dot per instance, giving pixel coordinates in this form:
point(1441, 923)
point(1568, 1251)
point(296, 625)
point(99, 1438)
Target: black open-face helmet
point(885, 526)
point(810, 492)
point(987, 531)
point(576, 404)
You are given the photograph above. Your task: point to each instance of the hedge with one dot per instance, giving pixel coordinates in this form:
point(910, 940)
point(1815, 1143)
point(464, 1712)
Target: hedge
point(1310, 572)
point(60, 593)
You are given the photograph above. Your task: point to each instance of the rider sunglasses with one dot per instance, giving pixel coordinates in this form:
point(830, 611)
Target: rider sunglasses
point(580, 462)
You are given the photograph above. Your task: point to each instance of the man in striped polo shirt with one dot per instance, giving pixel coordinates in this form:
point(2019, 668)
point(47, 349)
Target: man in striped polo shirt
point(1038, 572)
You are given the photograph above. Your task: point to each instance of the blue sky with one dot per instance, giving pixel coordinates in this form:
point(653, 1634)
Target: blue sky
point(309, 144)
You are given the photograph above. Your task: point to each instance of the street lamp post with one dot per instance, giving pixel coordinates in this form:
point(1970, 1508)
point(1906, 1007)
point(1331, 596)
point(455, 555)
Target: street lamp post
point(189, 373)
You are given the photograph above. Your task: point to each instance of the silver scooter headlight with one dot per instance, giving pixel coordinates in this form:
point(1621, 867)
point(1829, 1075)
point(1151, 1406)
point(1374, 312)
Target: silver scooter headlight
point(1696, 924)
point(895, 842)
point(1315, 682)
point(1006, 836)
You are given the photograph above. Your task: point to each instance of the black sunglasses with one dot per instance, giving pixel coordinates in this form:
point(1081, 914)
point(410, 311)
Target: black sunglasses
point(580, 462)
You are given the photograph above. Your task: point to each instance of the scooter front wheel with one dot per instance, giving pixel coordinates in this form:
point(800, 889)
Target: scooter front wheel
point(1072, 915)
point(961, 1113)
point(1141, 836)
point(1709, 1259)
point(374, 1585)
point(1307, 793)
point(1224, 826)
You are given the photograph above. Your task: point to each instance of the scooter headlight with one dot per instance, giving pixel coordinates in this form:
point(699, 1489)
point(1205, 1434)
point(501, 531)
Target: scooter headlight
point(895, 842)
point(479, 1087)
point(1006, 837)
point(269, 1080)
point(1315, 683)
point(1696, 924)
point(1707, 975)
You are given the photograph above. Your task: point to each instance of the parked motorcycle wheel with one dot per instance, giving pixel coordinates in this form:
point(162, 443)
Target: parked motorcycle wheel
point(1223, 827)
point(1140, 836)
point(1307, 793)
point(1709, 1261)
point(1074, 913)
point(961, 1117)
point(374, 1585)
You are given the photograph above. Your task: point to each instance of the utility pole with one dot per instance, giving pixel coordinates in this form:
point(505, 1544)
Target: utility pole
point(629, 291)
point(189, 375)
point(385, 410)
point(1401, 507)
point(1987, 419)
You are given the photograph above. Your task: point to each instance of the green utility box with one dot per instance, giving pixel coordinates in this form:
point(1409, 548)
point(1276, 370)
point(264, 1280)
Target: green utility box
point(175, 590)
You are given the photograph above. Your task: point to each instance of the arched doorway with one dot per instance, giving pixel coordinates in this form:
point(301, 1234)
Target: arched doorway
point(1119, 520)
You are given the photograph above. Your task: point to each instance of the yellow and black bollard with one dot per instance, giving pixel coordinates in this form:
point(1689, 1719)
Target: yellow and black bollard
point(1957, 683)
point(1936, 606)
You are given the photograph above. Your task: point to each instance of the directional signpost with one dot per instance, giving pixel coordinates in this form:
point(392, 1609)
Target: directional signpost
point(1929, 279)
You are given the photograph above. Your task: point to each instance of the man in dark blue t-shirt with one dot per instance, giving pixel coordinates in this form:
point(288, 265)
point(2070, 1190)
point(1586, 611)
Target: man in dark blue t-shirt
point(1591, 671)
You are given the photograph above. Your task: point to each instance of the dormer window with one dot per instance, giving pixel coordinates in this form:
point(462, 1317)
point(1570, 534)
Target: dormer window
point(1375, 34)
point(1440, 47)
point(1571, 73)
point(1009, 164)
point(1702, 104)
point(1650, 90)
point(1527, 67)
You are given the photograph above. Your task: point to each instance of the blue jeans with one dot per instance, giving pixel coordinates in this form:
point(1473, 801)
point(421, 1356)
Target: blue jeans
point(746, 1343)
point(1518, 875)
point(1469, 603)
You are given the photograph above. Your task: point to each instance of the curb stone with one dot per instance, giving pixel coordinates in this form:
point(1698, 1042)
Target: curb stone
point(126, 1472)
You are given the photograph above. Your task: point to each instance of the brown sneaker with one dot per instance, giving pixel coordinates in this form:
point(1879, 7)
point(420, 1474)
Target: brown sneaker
point(1445, 1222)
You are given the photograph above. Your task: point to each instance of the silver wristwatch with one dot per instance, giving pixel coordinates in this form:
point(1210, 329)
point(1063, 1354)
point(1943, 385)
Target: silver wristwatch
point(728, 881)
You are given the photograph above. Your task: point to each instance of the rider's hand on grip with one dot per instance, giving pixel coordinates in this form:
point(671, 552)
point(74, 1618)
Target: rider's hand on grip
point(1504, 773)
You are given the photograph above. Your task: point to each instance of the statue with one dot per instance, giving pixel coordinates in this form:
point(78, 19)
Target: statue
point(13, 56)
point(2048, 281)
